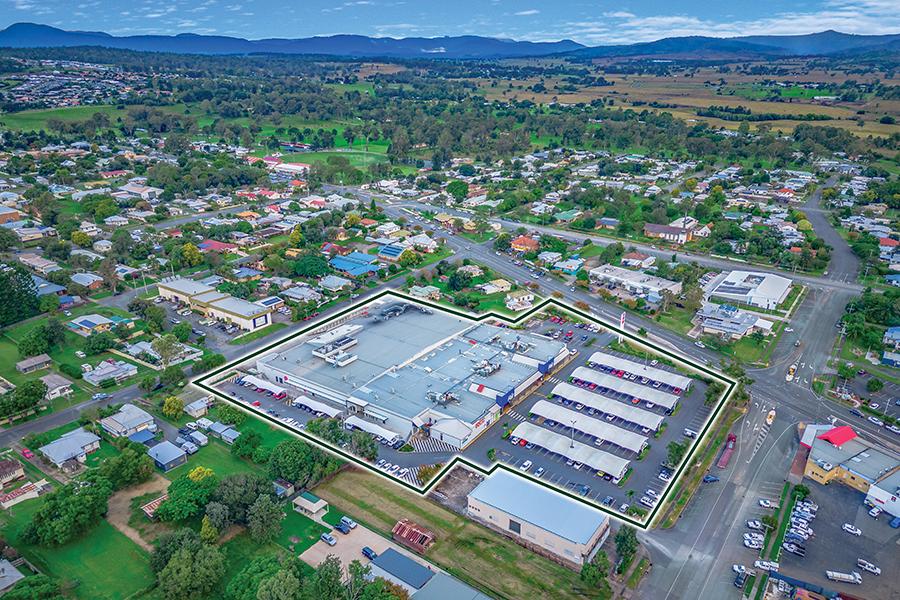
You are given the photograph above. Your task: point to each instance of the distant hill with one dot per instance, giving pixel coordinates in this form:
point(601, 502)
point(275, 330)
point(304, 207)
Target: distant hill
point(699, 47)
point(31, 35)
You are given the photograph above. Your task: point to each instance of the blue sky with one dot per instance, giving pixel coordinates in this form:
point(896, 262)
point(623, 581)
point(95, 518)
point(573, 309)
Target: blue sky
point(589, 22)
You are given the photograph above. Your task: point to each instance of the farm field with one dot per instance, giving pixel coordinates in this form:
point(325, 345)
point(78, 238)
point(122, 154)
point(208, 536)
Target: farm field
point(464, 549)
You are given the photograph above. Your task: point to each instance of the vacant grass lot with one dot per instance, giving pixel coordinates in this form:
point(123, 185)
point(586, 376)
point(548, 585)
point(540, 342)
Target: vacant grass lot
point(107, 563)
point(303, 527)
point(463, 548)
point(215, 456)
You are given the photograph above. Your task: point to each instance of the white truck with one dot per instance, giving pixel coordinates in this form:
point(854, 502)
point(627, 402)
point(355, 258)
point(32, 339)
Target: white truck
point(766, 565)
point(845, 577)
point(867, 566)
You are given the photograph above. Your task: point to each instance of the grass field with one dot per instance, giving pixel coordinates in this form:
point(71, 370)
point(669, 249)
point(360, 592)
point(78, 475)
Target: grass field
point(255, 335)
point(463, 548)
point(215, 456)
point(107, 563)
point(303, 527)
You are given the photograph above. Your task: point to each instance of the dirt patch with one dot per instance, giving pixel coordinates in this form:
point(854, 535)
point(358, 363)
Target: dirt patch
point(453, 491)
point(232, 531)
point(119, 512)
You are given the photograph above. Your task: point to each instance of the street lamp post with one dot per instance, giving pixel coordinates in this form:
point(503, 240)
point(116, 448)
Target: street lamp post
point(573, 432)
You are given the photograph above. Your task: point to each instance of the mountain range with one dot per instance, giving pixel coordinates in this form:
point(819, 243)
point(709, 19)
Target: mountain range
point(32, 35)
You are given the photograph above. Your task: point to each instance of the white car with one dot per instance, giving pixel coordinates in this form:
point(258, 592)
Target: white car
point(540, 472)
point(753, 544)
point(664, 476)
point(525, 465)
point(789, 329)
point(766, 504)
point(739, 568)
point(766, 565)
point(756, 524)
point(699, 344)
point(876, 421)
point(652, 494)
point(851, 529)
point(875, 512)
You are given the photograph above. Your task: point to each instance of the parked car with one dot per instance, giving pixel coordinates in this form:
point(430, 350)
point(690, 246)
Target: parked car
point(328, 539)
point(369, 553)
point(27, 453)
point(851, 529)
point(710, 479)
point(342, 528)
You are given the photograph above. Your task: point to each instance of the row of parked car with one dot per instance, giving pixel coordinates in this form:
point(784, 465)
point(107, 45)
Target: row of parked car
point(631, 376)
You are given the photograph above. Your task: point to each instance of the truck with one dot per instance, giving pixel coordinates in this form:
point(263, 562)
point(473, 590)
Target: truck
point(853, 577)
point(729, 450)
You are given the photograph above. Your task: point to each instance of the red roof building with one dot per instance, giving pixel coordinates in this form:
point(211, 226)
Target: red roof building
point(207, 245)
point(887, 242)
point(839, 435)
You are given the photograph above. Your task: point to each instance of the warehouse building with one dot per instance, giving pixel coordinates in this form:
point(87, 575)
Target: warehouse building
point(540, 519)
point(755, 289)
point(216, 304)
point(403, 368)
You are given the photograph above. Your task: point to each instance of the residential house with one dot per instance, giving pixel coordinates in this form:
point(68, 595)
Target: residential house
point(246, 274)
point(130, 419)
point(9, 215)
point(57, 386)
point(497, 286)
point(607, 223)
point(197, 408)
point(676, 235)
point(167, 456)
point(568, 216)
point(333, 283)
point(35, 363)
point(519, 300)
point(329, 249)
point(387, 229)
point(391, 253)
point(638, 260)
point(76, 445)
point(89, 228)
point(9, 574)
point(30, 234)
point(354, 264)
point(423, 243)
point(116, 221)
point(428, 292)
point(10, 470)
point(102, 246)
point(302, 294)
point(88, 280)
point(891, 337)
point(44, 287)
point(525, 244)
point(88, 324)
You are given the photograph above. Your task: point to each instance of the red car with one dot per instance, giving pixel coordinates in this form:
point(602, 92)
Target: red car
point(522, 442)
point(256, 403)
point(27, 453)
point(554, 319)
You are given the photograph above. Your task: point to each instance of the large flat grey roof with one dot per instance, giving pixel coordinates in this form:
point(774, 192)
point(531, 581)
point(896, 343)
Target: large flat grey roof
point(543, 508)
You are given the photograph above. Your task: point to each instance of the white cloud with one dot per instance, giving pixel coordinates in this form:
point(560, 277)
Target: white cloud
point(527, 12)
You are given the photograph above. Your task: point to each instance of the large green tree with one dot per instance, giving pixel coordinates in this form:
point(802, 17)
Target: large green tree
point(69, 511)
point(264, 517)
point(192, 574)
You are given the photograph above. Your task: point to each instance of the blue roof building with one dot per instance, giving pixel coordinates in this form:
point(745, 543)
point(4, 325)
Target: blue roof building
point(390, 252)
point(354, 264)
point(167, 456)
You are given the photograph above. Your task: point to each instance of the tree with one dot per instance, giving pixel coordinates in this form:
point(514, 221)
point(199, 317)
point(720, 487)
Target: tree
point(173, 407)
point(128, 468)
point(758, 336)
point(231, 415)
point(296, 239)
point(27, 396)
point(239, 491)
point(35, 587)
point(626, 542)
point(218, 516)
point(147, 384)
point(284, 585)
point(35, 342)
point(325, 582)
point(170, 542)
point(182, 331)
point(801, 491)
point(97, 343)
point(246, 444)
point(676, 452)
point(208, 533)
point(770, 521)
point(80, 238)
point(191, 256)
point(410, 258)
point(846, 371)
point(122, 331)
point(594, 573)
point(49, 303)
point(167, 347)
point(190, 575)
point(107, 270)
point(187, 497)
point(300, 463)
point(363, 444)
point(69, 511)
point(263, 518)
point(503, 242)
point(458, 189)
point(874, 385)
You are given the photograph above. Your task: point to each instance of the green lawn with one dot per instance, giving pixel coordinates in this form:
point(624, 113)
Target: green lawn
point(303, 527)
point(678, 319)
point(747, 350)
point(255, 335)
point(107, 563)
point(215, 456)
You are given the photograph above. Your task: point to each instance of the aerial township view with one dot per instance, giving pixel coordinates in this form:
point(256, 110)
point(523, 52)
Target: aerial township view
point(368, 302)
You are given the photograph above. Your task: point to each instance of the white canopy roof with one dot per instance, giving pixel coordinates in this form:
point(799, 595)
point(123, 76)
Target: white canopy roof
point(630, 366)
point(591, 426)
point(262, 383)
point(623, 386)
point(318, 406)
point(632, 414)
point(376, 430)
point(562, 445)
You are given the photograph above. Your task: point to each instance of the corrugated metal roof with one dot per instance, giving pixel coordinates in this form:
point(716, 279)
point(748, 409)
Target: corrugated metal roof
point(539, 506)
